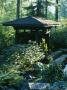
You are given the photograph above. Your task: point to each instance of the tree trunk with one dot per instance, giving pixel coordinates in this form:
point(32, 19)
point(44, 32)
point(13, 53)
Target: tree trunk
point(46, 9)
point(38, 7)
point(56, 12)
point(18, 9)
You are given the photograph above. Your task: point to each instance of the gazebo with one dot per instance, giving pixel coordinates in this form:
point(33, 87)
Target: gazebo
point(31, 28)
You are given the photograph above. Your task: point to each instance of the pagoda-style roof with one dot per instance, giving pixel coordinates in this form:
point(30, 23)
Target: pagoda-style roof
point(31, 23)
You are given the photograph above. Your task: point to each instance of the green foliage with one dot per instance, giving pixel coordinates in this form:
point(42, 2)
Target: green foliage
point(43, 45)
point(18, 59)
point(53, 73)
point(49, 58)
point(9, 75)
point(63, 8)
point(7, 9)
point(51, 16)
point(59, 38)
point(21, 58)
point(23, 53)
point(7, 36)
point(37, 69)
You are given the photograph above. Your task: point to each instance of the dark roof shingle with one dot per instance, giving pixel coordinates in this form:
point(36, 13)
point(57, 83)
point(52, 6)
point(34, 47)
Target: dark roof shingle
point(31, 23)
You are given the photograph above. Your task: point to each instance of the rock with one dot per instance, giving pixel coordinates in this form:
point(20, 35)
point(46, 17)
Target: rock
point(60, 59)
point(65, 72)
point(39, 86)
point(56, 54)
point(60, 85)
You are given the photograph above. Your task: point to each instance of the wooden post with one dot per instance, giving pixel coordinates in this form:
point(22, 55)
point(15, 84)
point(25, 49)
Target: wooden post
point(36, 36)
point(16, 36)
point(17, 16)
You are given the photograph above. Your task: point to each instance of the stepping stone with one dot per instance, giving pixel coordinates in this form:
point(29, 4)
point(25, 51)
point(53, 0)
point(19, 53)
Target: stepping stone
point(39, 86)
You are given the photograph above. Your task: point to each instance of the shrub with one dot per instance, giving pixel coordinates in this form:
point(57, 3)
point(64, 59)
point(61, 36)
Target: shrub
point(48, 58)
point(43, 45)
point(7, 36)
point(37, 69)
point(18, 59)
point(59, 38)
point(24, 55)
point(9, 76)
point(53, 73)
